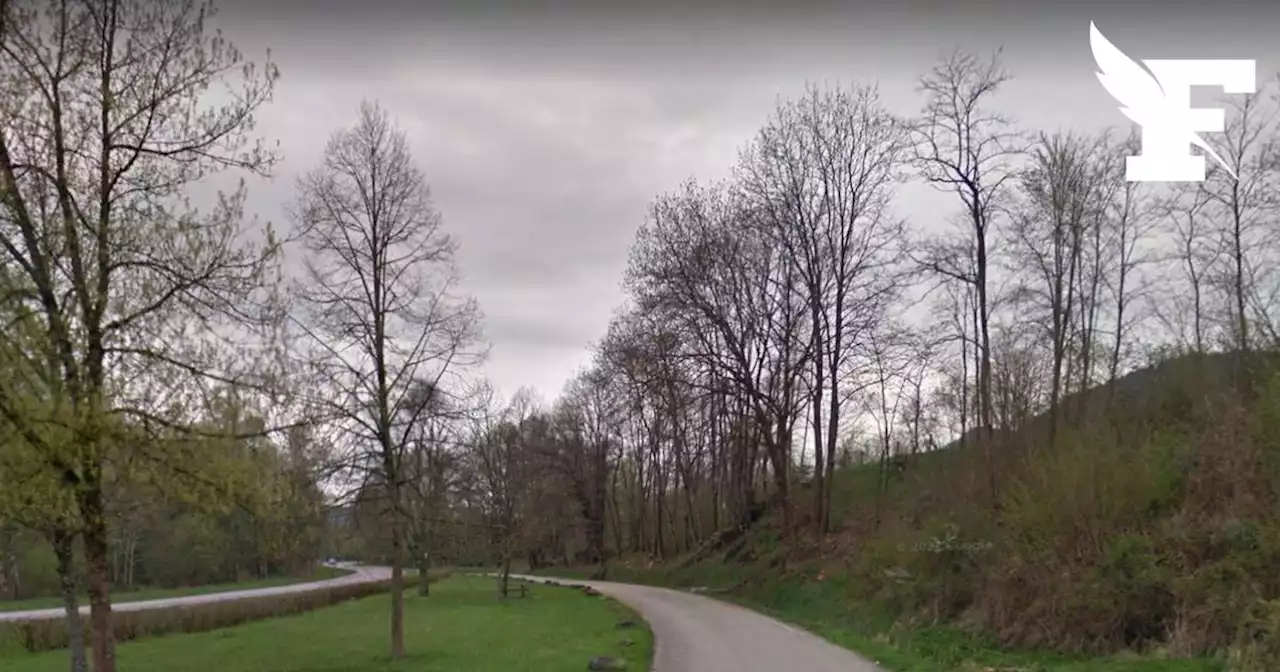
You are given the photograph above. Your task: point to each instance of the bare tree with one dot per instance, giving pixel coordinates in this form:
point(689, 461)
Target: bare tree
point(887, 362)
point(379, 307)
point(581, 453)
point(1244, 207)
point(965, 148)
point(702, 264)
point(1130, 212)
point(1196, 254)
point(500, 454)
point(430, 471)
point(1061, 198)
point(821, 176)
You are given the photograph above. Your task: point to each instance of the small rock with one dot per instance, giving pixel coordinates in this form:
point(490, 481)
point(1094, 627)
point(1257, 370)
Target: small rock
point(606, 663)
point(628, 623)
point(588, 590)
point(627, 641)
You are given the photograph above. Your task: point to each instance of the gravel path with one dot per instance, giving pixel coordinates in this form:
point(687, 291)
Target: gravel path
point(360, 575)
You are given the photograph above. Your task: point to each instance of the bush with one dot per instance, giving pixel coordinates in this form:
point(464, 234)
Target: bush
point(1152, 526)
point(51, 633)
point(1257, 647)
point(438, 574)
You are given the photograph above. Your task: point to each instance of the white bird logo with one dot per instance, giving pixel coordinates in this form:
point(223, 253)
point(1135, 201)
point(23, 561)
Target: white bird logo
point(1139, 92)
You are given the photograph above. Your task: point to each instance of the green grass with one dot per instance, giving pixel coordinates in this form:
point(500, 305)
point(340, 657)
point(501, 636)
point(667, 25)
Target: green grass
point(320, 574)
point(462, 626)
point(819, 608)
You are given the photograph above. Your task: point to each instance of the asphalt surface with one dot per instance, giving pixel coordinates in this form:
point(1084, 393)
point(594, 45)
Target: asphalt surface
point(360, 574)
point(693, 633)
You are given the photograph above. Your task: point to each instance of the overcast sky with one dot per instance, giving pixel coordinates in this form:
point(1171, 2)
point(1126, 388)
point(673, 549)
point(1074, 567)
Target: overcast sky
point(546, 128)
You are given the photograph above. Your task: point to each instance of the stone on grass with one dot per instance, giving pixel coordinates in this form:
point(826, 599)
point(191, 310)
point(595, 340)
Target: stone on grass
point(606, 663)
point(627, 641)
point(628, 623)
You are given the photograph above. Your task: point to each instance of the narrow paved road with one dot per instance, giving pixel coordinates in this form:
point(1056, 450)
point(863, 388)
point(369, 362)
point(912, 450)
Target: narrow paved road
point(693, 633)
point(359, 575)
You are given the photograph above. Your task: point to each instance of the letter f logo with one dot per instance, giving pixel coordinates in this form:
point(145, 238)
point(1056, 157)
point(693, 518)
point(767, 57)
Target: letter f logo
point(1161, 105)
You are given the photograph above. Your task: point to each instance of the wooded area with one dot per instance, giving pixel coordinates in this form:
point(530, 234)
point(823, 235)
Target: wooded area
point(188, 397)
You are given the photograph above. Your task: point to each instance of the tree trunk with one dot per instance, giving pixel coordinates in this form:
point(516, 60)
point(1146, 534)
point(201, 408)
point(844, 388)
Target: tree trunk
point(504, 577)
point(833, 433)
point(984, 373)
point(617, 514)
point(64, 553)
point(130, 560)
point(397, 588)
point(424, 573)
point(820, 500)
point(96, 555)
point(1242, 324)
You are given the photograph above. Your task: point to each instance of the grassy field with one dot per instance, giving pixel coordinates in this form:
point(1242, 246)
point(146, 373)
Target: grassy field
point(819, 608)
point(319, 574)
point(462, 626)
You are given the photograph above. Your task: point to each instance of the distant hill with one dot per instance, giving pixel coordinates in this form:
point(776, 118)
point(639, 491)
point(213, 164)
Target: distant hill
point(1171, 388)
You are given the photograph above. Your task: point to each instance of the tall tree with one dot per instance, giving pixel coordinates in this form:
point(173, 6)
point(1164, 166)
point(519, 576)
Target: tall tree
point(1131, 216)
point(964, 147)
point(703, 263)
point(379, 306)
point(821, 175)
point(1244, 207)
point(1196, 256)
point(1061, 197)
point(104, 129)
point(500, 459)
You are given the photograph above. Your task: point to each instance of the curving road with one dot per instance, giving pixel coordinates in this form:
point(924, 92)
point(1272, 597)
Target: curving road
point(360, 574)
point(693, 633)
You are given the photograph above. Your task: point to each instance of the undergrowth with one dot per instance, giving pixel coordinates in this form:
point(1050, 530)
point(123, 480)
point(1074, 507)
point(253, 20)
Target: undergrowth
point(1144, 536)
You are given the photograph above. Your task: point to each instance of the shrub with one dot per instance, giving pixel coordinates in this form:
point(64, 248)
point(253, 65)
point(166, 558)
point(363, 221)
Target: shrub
point(1135, 529)
point(1257, 646)
point(51, 633)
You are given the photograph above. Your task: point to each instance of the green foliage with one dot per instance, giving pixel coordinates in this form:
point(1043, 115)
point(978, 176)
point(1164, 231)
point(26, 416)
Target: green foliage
point(221, 505)
point(36, 569)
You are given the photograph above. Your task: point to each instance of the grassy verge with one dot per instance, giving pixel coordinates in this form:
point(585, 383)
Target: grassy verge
point(461, 626)
point(819, 606)
point(47, 634)
point(319, 574)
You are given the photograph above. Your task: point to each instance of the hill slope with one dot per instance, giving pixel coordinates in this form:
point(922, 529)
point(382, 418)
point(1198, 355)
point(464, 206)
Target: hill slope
point(1151, 525)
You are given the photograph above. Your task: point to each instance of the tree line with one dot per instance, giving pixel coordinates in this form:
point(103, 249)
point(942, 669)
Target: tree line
point(789, 320)
point(179, 404)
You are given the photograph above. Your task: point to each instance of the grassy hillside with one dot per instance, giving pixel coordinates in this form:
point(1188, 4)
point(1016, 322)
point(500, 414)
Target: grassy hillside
point(1148, 530)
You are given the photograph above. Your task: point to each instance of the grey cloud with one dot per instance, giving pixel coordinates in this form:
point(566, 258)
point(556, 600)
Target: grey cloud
point(545, 131)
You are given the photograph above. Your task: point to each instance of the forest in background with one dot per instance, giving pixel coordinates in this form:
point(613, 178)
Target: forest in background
point(1075, 369)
